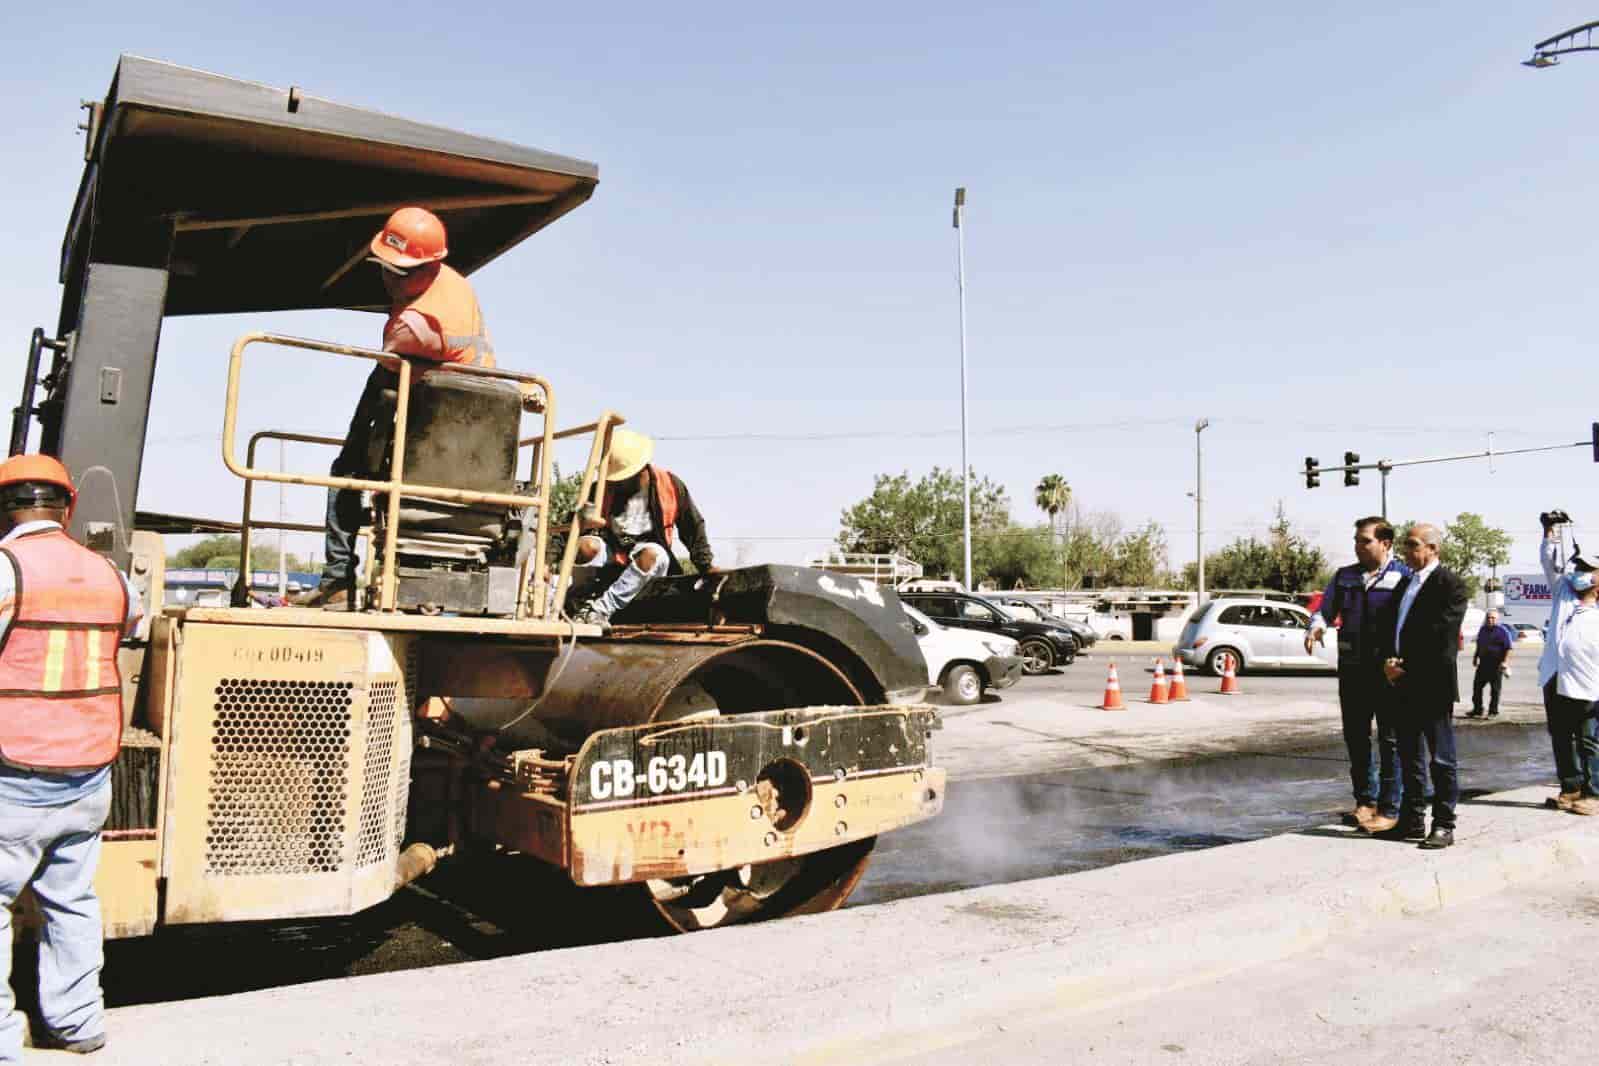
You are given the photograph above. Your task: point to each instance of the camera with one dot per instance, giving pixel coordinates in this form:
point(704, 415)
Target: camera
point(1554, 518)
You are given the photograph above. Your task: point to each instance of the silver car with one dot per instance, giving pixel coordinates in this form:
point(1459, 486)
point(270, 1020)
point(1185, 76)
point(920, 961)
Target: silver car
point(1258, 634)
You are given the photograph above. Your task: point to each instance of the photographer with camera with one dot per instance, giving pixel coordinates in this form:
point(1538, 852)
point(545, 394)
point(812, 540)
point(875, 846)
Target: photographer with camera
point(1564, 594)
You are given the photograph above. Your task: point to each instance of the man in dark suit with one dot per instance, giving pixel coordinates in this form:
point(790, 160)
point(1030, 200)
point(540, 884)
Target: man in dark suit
point(1422, 626)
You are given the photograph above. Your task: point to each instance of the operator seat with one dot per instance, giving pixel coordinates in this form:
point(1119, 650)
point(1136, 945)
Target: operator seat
point(461, 433)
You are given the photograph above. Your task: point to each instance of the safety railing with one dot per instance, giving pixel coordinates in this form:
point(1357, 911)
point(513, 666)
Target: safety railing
point(532, 598)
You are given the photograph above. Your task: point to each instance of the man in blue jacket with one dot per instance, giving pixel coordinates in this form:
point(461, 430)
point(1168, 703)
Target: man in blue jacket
point(1353, 599)
point(1495, 643)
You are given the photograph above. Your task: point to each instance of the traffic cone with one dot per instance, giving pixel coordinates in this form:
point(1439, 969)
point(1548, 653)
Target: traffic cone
point(1157, 691)
point(1113, 692)
point(1179, 687)
point(1229, 677)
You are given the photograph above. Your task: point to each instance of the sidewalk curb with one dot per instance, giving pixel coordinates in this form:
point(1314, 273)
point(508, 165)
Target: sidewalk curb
point(883, 983)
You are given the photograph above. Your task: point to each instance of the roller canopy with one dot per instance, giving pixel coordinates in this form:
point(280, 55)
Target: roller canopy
point(263, 199)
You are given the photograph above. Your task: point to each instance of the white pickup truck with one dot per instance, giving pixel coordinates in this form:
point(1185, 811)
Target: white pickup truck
point(963, 662)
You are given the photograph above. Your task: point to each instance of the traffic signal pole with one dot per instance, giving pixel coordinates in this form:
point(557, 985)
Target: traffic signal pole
point(1313, 468)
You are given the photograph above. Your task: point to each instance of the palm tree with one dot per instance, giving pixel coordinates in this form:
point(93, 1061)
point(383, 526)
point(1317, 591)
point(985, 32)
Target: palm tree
point(1053, 495)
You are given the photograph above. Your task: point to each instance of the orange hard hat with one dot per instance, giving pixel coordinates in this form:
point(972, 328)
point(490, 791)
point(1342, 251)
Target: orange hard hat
point(38, 470)
point(412, 236)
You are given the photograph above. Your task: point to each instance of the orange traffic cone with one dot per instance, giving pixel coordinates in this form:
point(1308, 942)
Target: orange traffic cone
point(1157, 691)
point(1229, 676)
point(1113, 692)
point(1179, 687)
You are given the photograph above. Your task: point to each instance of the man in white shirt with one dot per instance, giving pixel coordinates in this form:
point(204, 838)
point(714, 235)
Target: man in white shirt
point(1562, 604)
point(1574, 715)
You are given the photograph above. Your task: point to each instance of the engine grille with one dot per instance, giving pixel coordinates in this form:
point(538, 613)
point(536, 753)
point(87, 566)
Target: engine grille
point(376, 797)
point(280, 773)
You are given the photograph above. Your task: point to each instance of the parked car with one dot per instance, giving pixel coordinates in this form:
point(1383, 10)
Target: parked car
point(962, 662)
point(1527, 633)
point(1040, 644)
point(1082, 631)
point(1259, 634)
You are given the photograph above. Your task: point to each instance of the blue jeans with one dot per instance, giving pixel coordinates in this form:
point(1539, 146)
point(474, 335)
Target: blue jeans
point(346, 513)
point(1374, 775)
point(1574, 732)
point(56, 850)
point(1427, 748)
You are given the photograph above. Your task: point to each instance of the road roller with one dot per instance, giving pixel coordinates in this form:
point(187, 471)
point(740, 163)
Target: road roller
point(727, 750)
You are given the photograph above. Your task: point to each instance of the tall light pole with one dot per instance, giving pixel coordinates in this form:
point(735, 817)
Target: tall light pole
point(966, 469)
point(1199, 505)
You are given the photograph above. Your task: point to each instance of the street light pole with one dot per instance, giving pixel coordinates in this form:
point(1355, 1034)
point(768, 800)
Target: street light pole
point(966, 469)
point(1199, 505)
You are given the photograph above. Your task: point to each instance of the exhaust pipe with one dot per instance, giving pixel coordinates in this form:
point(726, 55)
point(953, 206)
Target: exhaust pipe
point(417, 861)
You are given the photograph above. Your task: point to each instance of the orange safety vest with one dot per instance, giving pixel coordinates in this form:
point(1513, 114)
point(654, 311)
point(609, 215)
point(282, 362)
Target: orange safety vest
point(452, 307)
point(665, 491)
point(60, 690)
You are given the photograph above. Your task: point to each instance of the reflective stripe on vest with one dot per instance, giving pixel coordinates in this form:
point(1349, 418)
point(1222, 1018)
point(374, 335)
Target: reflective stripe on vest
point(665, 492)
point(60, 690)
point(453, 308)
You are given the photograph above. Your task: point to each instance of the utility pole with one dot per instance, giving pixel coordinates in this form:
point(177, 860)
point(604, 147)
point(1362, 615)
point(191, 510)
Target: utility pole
point(966, 468)
point(1199, 505)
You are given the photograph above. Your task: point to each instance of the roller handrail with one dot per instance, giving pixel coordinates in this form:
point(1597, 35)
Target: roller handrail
point(395, 486)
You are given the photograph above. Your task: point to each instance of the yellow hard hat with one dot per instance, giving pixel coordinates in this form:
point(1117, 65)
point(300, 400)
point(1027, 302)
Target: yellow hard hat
point(629, 454)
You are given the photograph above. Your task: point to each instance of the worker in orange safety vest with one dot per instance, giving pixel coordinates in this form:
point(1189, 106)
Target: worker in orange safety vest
point(433, 315)
point(631, 532)
point(63, 612)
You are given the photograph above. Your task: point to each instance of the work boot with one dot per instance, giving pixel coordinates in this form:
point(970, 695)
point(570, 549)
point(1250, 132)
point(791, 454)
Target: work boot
point(1564, 801)
point(1588, 805)
point(327, 596)
point(53, 1042)
point(1401, 829)
point(591, 615)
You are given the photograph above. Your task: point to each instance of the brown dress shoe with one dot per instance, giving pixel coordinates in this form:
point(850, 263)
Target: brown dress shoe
point(1564, 801)
point(1379, 823)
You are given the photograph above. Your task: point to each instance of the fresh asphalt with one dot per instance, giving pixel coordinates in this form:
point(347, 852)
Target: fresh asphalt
point(993, 830)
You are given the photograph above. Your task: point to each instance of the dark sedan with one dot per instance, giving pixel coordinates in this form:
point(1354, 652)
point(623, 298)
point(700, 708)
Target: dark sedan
point(1040, 644)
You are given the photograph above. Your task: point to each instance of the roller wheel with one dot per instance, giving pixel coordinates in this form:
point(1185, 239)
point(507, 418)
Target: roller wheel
point(808, 884)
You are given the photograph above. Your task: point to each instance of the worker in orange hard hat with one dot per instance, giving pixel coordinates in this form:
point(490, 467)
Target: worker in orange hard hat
point(434, 315)
point(63, 611)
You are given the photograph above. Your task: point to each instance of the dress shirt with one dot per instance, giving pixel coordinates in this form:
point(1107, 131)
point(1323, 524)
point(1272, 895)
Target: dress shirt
point(1417, 579)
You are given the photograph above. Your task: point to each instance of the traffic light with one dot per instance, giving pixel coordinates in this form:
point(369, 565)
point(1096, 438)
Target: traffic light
point(1312, 472)
point(1351, 477)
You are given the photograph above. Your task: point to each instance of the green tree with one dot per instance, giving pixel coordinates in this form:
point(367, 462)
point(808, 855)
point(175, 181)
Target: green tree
point(922, 519)
point(1139, 557)
point(1015, 554)
point(1285, 560)
point(1471, 546)
point(221, 552)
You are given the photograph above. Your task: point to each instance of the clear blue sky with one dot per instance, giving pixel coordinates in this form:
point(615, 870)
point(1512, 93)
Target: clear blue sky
point(1355, 226)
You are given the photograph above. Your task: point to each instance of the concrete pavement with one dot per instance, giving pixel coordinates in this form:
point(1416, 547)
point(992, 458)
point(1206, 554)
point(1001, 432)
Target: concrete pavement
point(906, 981)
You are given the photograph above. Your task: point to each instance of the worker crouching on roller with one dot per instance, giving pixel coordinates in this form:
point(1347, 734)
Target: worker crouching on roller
point(632, 531)
point(63, 611)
